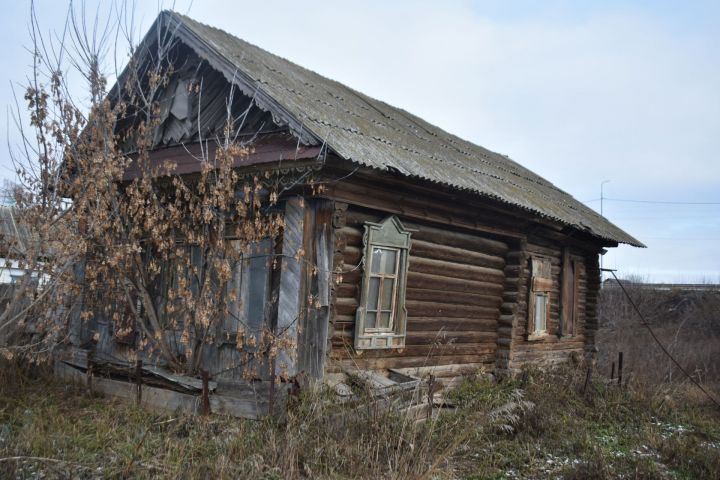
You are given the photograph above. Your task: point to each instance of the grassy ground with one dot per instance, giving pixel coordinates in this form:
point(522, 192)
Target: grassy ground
point(541, 425)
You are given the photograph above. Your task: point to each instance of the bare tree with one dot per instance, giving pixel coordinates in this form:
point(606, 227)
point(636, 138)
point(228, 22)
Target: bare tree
point(116, 232)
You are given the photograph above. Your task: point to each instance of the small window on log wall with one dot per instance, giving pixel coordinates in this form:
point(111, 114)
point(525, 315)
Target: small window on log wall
point(569, 294)
point(539, 301)
point(381, 317)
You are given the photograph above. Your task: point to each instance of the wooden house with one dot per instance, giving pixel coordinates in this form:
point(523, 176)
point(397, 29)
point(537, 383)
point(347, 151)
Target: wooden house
point(435, 254)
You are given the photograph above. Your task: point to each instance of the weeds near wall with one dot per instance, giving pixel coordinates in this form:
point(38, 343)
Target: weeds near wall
point(540, 425)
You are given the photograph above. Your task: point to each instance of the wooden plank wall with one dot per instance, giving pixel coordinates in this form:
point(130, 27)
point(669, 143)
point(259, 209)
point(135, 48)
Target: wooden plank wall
point(455, 289)
point(318, 273)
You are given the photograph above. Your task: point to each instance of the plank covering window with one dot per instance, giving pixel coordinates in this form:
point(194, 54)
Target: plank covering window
point(571, 271)
point(381, 317)
point(539, 301)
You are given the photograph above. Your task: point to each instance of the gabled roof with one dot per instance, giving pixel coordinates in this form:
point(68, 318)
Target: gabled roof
point(374, 134)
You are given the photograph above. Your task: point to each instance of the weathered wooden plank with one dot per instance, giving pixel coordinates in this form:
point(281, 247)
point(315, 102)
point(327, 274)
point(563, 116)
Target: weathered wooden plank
point(247, 405)
point(291, 292)
point(318, 240)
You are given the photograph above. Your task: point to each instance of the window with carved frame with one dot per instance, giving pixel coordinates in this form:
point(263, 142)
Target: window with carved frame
point(380, 321)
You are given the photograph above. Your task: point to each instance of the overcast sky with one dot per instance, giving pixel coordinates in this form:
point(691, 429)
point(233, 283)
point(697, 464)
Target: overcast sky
point(578, 92)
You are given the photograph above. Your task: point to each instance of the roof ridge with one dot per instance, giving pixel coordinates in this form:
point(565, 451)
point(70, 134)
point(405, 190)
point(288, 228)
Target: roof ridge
point(375, 134)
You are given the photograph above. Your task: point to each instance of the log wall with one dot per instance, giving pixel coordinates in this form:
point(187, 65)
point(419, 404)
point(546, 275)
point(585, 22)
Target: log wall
point(553, 347)
point(455, 290)
point(468, 280)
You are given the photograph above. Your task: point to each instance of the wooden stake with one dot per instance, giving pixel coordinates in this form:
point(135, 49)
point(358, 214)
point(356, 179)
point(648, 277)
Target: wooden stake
point(138, 381)
point(620, 367)
point(205, 400)
point(89, 374)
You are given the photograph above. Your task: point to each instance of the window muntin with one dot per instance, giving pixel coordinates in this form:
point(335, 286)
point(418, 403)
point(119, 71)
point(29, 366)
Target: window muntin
point(539, 298)
point(382, 289)
point(380, 321)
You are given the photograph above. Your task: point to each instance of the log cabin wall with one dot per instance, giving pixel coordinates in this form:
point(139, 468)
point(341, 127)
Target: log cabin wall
point(555, 346)
point(468, 281)
point(455, 289)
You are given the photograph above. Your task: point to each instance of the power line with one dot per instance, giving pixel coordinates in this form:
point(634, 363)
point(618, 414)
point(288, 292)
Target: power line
point(661, 202)
point(657, 340)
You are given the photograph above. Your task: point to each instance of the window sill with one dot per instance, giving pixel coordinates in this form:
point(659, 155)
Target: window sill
point(537, 337)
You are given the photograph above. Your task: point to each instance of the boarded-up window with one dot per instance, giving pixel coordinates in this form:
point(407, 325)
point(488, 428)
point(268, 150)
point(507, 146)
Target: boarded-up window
point(539, 301)
point(381, 318)
point(571, 271)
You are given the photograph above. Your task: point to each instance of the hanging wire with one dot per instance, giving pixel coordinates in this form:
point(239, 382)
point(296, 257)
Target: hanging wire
point(657, 340)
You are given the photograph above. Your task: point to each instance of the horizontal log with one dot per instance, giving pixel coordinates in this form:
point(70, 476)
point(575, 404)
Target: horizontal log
point(346, 306)
point(432, 309)
point(461, 349)
point(346, 336)
point(459, 240)
point(505, 332)
point(455, 270)
point(352, 236)
point(378, 363)
point(350, 274)
point(456, 298)
point(450, 324)
point(348, 290)
point(408, 208)
point(425, 280)
point(446, 337)
point(437, 251)
point(508, 308)
point(352, 255)
point(506, 319)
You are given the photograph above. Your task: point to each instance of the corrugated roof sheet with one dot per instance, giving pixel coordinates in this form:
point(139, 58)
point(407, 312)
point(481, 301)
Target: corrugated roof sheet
point(374, 134)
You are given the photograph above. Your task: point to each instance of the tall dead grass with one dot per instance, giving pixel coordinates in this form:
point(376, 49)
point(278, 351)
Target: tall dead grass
point(686, 322)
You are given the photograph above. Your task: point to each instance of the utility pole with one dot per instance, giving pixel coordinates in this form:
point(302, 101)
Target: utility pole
point(602, 199)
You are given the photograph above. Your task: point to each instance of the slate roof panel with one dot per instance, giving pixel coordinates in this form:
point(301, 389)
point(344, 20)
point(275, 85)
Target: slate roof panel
point(377, 135)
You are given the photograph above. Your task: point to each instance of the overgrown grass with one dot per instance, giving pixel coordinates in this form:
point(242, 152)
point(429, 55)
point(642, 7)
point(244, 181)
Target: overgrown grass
point(541, 425)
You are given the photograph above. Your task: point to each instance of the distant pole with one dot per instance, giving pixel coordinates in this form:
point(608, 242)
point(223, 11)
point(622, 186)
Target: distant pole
point(602, 200)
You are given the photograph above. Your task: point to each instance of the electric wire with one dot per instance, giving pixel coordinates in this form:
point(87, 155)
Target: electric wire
point(657, 340)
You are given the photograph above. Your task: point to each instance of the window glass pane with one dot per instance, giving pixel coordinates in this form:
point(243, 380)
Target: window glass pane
point(383, 320)
point(387, 293)
point(373, 292)
point(383, 260)
point(370, 320)
point(540, 312)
